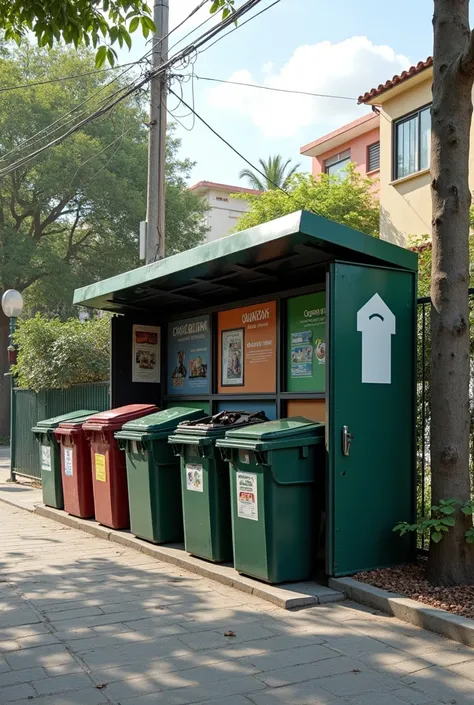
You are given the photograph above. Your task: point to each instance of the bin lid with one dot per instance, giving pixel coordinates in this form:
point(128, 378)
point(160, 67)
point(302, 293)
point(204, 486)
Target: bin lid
point(161, 421)
point(117, 417)
point(295, 426)
point(56, 420)
point(77, 422)
point(221, 423)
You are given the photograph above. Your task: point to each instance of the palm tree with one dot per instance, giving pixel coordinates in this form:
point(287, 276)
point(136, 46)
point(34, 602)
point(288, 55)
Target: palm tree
point(277, 174)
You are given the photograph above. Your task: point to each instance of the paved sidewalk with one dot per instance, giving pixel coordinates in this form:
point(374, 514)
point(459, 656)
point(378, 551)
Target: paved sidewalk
point(22, 494)
point(85, 622)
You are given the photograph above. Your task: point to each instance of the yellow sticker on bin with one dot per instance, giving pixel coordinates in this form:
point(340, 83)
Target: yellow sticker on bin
point(99, 462)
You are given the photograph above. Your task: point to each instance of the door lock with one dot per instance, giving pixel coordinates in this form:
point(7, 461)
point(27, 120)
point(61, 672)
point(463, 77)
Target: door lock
point(347, 439)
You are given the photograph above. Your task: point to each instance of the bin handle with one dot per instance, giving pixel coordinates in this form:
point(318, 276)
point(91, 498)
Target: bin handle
point(226, 454)
point(292, 482)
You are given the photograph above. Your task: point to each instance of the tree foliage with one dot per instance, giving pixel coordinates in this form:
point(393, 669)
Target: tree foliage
point(55, 355)
point(98, 23)
point(102, 24)
point(349, 201)
point(278, 174)
point(71, 216)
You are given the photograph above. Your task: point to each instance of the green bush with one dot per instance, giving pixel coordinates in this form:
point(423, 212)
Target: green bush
point(53, 354)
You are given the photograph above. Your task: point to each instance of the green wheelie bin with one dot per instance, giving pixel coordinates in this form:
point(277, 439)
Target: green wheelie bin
point(274, 469)
point(50, 455)
point(205, 483)
point(154, 485)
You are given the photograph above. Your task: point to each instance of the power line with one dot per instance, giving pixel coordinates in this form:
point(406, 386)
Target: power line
point(139, 83)
point(46, 132)
point(22, 86)
point(270, 88)
point(241, 25)
point(239, 154)
point(236, 151)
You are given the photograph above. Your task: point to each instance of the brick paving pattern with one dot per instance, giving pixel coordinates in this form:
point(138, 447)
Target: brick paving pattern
point(86, 622)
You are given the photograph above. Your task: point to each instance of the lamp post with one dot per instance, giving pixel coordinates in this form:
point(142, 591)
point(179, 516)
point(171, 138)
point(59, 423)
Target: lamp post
point(12, 305)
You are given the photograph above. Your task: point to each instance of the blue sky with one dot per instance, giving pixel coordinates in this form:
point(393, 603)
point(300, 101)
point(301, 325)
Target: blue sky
point(341, 47)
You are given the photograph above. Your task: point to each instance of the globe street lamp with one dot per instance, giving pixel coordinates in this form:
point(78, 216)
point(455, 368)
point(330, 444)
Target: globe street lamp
point(12, 305)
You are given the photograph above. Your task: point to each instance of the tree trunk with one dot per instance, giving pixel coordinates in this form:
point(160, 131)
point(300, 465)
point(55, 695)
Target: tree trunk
point(452, 560)
point(4, 381)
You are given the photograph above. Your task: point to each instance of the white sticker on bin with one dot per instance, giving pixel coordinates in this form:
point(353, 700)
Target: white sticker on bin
point(46, 458)
point(194, 477)
point(247, 505)
point(68, 462)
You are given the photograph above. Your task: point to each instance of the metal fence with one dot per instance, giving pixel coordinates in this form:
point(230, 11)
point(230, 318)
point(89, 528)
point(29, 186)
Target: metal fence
point(424, 405)
point(32, 407)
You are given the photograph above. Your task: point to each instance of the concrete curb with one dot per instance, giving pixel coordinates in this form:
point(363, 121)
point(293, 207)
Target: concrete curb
point(452, 626)
point(284, 596)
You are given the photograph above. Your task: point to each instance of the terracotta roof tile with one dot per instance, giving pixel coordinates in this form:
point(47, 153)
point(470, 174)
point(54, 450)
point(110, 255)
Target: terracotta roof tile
point(391, 83)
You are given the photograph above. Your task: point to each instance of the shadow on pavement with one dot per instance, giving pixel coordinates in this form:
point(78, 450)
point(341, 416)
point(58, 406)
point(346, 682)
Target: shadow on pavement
point(85, 622)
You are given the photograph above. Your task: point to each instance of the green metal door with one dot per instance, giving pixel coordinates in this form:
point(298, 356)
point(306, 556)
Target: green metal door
point(371, 404)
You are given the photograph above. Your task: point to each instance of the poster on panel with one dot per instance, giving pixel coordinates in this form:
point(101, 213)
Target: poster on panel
point(189, 343)
point(247, 349)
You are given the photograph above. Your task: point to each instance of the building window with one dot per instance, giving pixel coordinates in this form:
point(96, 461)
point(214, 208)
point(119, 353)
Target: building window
point(373, 156)
point(412, 143)
point(337, 163)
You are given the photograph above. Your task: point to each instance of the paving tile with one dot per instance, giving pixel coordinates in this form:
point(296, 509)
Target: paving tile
point(211, 691)
point(441, 683)
point(378, 698)
point(356, 683)
point(140, 651)
point(291, 657)
point(29, 642)
point(307, 693)
point(310, 671)
point(22, 676)
point(60, 684)
point(89, 696)
point(16, 692)
point(412, 696)
point(53, 655)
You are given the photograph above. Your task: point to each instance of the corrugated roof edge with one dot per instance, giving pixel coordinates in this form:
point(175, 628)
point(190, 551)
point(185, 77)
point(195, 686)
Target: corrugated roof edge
point(294, 223)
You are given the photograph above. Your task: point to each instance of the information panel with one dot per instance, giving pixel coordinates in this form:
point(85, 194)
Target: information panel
point(189, 343)
point(306, 343)
point(247, 349)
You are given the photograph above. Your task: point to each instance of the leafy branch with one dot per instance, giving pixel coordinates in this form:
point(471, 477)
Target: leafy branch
point(439, 521)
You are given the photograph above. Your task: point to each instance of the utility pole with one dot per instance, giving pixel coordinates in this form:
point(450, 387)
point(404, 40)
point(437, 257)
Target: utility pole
point(155, 229)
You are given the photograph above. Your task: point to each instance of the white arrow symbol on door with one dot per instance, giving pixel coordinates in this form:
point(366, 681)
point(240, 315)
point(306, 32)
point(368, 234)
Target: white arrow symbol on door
point(376, 322)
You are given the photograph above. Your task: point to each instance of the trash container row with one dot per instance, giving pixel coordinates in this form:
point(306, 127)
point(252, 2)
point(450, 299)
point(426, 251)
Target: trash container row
point(235, 486)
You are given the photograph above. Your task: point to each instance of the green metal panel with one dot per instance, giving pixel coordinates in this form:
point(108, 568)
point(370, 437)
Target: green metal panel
point(32, 407)
point(312, 238)
point(372, 392)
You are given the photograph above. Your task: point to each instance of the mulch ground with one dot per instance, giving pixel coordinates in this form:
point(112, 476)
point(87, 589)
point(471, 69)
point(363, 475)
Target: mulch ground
point(409, 580)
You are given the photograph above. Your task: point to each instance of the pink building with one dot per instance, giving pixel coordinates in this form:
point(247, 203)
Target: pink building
point(357, 142)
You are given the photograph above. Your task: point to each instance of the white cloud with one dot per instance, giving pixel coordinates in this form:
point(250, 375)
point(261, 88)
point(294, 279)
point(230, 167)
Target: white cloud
point(348, 68)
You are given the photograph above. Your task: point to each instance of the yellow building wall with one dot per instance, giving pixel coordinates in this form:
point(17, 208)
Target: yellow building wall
point(405, 205)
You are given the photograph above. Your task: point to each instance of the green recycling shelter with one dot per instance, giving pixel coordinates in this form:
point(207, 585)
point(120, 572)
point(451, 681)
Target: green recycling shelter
point(299, 317)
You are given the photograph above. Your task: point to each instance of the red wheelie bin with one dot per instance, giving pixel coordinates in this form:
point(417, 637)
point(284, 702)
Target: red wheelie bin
point(109, 473)
point(76, 473)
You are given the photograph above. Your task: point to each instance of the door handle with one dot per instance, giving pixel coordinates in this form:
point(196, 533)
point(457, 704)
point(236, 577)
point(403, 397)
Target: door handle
point(347, 439)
